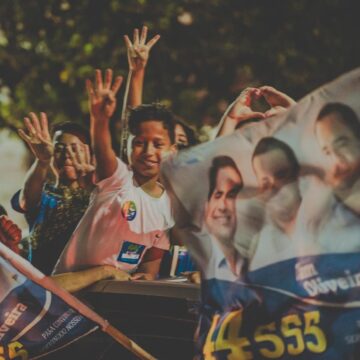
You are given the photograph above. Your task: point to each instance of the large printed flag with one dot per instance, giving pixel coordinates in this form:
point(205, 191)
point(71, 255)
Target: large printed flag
point(271, 214)
point(37, 317)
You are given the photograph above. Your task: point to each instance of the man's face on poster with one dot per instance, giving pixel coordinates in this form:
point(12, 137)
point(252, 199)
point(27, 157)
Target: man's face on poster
point(341, 148)
point(220, 210)
point(278, 184)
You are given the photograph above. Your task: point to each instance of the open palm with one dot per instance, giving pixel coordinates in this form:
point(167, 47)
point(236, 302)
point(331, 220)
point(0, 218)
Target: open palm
point(38, 137)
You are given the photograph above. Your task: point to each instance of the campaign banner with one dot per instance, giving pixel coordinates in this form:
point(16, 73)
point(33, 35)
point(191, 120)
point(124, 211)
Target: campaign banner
point(34, 321)
point(271, 215)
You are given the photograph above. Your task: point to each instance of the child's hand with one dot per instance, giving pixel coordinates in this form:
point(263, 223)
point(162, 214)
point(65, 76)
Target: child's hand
point(81, 159)
point(39, 139)
point(138, 51)
point(102, 97)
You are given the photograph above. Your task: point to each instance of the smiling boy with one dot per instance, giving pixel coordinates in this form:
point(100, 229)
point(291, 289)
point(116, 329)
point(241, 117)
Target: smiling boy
point(129, 215)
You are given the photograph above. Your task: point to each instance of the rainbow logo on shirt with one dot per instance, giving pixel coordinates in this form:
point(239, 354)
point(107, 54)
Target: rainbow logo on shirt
point(128, 210)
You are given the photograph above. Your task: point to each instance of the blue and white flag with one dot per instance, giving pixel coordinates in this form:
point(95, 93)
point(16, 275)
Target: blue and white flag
point(271, 214)
point(36, 316)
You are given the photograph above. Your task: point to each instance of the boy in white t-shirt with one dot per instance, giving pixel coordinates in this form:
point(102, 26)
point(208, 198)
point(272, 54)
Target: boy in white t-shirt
point(129, 213)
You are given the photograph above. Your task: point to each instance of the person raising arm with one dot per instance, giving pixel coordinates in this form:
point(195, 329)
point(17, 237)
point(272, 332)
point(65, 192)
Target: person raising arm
point(138, 53)
point(127, 222)
point(241, 112)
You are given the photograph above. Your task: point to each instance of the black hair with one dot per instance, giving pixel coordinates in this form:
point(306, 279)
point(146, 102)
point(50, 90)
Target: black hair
point(218, 163)
point(152, 112)
point(348, 116)
point(2, 210)
point(75, 129)
point(189, 132)
point(267, 144)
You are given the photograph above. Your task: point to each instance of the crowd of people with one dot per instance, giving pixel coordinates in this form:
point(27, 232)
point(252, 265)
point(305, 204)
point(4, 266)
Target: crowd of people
point(93, 215)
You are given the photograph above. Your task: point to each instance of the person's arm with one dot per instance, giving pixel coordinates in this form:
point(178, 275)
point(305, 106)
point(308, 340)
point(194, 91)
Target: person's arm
point(39, 142)
point(150, 265)
point(76, 281)
point(138, 53)
point(240, 111)
point(102, 102)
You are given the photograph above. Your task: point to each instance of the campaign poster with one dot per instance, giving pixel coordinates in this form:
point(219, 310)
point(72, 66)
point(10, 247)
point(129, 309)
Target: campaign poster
point(271, 215)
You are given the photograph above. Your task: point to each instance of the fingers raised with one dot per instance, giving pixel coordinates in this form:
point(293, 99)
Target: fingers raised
point(98, 80)
point(23, 135)
point(143, 35)
point(136, 37)
point(117, 84)
point(128, 42)
point(35, 122)
point(44, 125)
point(31, 129)
point(108, 78)
point(153, 41)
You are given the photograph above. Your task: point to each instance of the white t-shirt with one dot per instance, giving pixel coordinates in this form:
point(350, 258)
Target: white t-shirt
point(218, 266)
point(120, 224)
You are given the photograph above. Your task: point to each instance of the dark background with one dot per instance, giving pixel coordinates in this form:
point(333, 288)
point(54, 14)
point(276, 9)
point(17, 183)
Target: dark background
point(209, 51)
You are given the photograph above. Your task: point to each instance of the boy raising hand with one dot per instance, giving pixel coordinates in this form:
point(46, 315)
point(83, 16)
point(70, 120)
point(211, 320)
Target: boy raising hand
point(129, 214)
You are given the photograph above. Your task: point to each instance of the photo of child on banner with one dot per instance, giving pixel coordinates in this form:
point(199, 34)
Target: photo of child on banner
point(271, 213)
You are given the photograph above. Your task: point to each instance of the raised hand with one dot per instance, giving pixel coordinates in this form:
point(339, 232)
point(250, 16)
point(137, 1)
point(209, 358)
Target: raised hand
point(278, 101)
point(102, 96)
point(81, 159)
point(38, 137)
point(138, 51)
point(241, 110)
point(10, 233)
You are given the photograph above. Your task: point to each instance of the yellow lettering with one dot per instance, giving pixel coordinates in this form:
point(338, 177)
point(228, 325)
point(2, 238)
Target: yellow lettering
point(230, 327)
point(263, 334)
point(209, 346)
point(319, 345)
point(291, 327)
point(16, 350)
point(2, 353)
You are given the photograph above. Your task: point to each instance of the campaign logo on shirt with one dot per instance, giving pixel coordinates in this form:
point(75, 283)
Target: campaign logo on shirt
point(128, 210)
point(130, 253)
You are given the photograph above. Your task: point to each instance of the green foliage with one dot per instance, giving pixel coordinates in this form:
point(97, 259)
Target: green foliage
point(208, 52)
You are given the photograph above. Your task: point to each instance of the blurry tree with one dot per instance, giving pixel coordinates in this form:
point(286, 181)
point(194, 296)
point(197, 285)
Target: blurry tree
point(208, 52)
